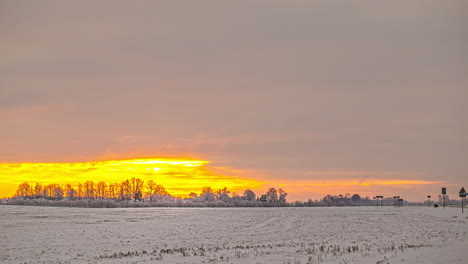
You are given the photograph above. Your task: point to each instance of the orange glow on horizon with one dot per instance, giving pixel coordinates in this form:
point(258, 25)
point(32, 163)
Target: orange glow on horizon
point(178, 176)
point(365, 187)
point(181, 176)
point(358, 182)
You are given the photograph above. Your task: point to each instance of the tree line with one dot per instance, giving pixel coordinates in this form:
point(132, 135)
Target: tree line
point(137, 190)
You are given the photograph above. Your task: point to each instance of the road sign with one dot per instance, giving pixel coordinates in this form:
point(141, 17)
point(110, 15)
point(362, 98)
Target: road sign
point(462, 194)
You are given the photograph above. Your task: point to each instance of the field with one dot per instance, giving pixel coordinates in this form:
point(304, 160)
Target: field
point(233, 235)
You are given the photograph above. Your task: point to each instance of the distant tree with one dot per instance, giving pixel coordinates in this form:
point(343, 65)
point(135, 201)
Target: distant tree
point(207, 194)
point(80, 190)
point(125, 192)
point(49, 191)
point(58, 192)
point(38, 190)
point(101, 190)
point(441, 199)
point(282, 195)
point(272, 195)
point(328, 200)
point(223, 195)
point(70, 191)
point(150, 188)
point(24, 190)
point(193, 195)
point(136, 188)
point(249, 195)
point(113, 190)
point(89, 190)
point(356, 199)
point(159, 190)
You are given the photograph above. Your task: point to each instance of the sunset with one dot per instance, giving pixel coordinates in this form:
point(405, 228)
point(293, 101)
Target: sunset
point(206, 131)
point(184, 176)
point(179, 176)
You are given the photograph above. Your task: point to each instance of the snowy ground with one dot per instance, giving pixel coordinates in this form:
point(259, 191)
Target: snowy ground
point(233, 235)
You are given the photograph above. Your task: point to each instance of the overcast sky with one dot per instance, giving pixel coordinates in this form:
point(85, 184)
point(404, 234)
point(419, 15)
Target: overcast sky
point(290, 90)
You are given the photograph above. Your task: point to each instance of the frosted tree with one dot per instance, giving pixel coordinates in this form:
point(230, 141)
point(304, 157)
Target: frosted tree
point(356, 199)
point(272, 195)
point(249, 195)
point(207, 194)
point(282, 195)
point(223, 195)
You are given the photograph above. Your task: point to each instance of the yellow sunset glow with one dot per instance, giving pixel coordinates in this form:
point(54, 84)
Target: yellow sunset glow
point(178, 176)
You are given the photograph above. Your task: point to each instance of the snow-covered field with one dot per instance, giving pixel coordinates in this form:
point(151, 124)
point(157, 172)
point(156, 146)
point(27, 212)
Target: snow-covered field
point(233, 235)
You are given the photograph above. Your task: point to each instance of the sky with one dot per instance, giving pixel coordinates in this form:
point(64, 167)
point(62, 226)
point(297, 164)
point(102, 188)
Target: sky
point(316, 97)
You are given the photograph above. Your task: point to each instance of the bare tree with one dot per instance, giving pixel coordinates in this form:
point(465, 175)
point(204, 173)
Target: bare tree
point(113, 190)
point(136, 186)
point(125, 190)
point(101, 189)
point(38, 190)
point(70, 191)
point(89, 189)
point(57, 191)
point(49, 191)
point(150, 188)
point(24, 190)
point(80, 190)
point(193, 196)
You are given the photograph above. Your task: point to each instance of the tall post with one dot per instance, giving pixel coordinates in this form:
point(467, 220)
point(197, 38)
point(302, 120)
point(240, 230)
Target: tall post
point(462, 194)
point(444, 192)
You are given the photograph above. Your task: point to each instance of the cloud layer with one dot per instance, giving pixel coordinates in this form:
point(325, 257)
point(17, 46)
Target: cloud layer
point(280, 88)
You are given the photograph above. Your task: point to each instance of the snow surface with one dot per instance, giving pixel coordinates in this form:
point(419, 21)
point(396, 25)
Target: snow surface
point(233, 235)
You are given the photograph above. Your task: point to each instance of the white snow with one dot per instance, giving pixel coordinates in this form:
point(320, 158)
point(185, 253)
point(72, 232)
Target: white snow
point(233, 235)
